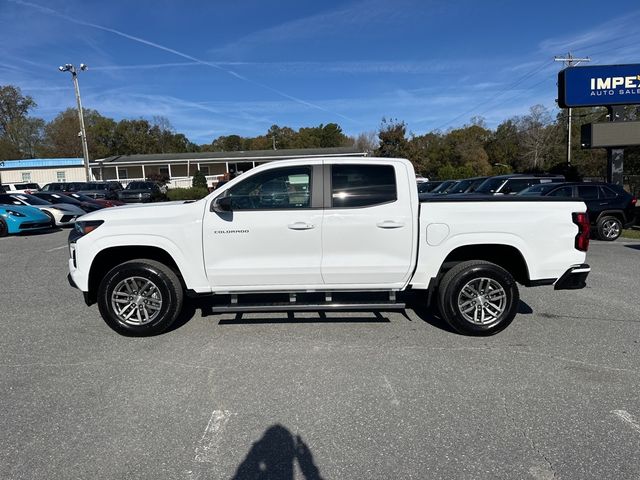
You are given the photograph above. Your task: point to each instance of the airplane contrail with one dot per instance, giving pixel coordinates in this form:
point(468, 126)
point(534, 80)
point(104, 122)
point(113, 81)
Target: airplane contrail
point(158, 46)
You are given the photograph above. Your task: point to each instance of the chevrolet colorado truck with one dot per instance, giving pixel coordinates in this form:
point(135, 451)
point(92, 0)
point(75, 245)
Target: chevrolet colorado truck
point(327, 234)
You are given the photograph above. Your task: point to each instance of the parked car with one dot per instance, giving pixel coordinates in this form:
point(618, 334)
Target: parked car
point(98, 201)
point(62, 198)
point(107, 190)
point(438, 190)
point(467, 185)
point(59, 214)
point(141, 192)
point(21, 187)
point(514, 183)
point(610, 207)
point(356, 234)
point(19, 218)
point(426, 187)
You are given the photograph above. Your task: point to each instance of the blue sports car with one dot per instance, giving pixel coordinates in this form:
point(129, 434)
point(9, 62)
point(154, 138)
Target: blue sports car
point(18, 218)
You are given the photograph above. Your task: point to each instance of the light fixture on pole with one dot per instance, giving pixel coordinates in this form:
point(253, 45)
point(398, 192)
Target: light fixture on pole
point(83, 134)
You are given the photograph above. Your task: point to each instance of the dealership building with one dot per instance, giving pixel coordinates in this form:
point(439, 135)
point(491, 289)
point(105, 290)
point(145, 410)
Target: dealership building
point(178, 167)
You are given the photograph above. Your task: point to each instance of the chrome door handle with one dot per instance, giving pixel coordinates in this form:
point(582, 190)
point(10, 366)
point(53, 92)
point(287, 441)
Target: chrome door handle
point(301, 226)
point(390, 224)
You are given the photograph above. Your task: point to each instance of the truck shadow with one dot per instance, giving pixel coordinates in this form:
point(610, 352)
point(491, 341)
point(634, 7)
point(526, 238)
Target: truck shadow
point(273, 457)
point(431, 316)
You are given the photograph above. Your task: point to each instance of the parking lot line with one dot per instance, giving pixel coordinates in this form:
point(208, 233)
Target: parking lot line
point(627, 418)
point(208, 444)
point(57, 248)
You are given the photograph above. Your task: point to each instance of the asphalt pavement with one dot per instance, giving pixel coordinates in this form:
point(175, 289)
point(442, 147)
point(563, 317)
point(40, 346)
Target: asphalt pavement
point(356, 395)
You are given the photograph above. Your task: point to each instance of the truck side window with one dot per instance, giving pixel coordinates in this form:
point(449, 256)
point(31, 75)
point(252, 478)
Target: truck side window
point(277, 189)
point(562, 192)
point(362, 185)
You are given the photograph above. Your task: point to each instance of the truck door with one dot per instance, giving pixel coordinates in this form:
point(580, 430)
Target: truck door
point(367, 231)
point(272, 235)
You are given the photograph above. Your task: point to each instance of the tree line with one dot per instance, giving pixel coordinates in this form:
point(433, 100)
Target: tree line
point(534, 142)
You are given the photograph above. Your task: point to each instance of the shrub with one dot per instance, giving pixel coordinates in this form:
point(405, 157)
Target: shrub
point(193, 193)
point(199, 180)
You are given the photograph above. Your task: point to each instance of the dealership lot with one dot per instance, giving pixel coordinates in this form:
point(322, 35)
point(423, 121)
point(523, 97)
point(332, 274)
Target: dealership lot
point(355, 395)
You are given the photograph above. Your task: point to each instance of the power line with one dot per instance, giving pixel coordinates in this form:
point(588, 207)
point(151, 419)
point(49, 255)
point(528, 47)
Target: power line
point(499, 94)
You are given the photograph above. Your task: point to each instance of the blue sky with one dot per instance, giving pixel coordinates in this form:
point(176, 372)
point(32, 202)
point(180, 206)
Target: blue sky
point(217, 68)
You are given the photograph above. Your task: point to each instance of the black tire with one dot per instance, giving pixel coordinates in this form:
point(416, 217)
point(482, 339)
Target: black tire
point(465, 275)
point(168, 289)
point(4, 229)
point(52, 221)
point(609, 228)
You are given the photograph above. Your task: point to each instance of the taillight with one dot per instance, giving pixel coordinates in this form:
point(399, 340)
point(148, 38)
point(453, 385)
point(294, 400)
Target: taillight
point(582, 238)
point(633, 201)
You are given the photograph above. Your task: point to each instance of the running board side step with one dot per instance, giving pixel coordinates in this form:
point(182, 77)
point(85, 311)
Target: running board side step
point(301, 307)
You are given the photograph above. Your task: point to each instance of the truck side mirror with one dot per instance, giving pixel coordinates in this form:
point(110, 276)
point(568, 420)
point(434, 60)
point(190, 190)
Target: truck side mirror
point(221, 205)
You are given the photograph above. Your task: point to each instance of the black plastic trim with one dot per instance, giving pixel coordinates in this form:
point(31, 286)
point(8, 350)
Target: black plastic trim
point(571, 280)
point(542, 282)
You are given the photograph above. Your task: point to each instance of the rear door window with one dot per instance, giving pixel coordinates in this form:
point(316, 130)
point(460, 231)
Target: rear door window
point(516, 185)
point(562, 192)
point(362, 185)
point(588, 192)
point(606, 192)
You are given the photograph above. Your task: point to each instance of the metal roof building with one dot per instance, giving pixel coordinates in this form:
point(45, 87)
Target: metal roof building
point(180, 167)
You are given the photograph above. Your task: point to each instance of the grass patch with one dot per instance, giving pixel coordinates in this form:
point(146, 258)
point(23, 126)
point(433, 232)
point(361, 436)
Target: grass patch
point(635, 234)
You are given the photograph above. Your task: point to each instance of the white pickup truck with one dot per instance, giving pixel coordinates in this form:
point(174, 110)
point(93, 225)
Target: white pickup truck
point(327, 234)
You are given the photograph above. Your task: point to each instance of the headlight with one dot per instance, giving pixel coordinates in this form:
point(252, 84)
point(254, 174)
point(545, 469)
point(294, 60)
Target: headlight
point(88, 226)
point(15, 214)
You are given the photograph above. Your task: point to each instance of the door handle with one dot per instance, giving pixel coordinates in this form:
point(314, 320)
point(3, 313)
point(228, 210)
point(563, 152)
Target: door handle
point(390, 224)
point(301, 226)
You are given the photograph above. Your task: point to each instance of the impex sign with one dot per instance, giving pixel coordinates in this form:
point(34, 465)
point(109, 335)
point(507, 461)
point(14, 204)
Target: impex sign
point(599, 85)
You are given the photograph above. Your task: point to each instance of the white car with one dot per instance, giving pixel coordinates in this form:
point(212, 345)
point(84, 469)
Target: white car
point(328, 234)
point(61, 214)
point(20, 187)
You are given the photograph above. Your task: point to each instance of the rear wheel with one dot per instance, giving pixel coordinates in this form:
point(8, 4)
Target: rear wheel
point(4, 229)
point(609, 228)
point(478, 298)
point(140, 297)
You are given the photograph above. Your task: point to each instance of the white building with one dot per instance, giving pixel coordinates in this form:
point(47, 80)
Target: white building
point(42, 170)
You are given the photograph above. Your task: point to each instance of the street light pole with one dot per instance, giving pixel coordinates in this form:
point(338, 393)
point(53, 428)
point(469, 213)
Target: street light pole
point(83, 134)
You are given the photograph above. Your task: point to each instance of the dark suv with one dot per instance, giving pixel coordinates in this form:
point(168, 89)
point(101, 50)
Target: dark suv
point(512, 184)
point(610, 207)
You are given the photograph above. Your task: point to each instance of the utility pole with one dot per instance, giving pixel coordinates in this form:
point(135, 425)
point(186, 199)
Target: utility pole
point(570, 61)
point(83, 134)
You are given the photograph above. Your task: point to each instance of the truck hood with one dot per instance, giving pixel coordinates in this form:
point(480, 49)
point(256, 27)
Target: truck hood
point(142, 211)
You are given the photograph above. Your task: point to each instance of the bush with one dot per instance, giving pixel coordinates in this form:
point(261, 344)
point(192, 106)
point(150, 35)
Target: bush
point(199, 180)
point(193, 193)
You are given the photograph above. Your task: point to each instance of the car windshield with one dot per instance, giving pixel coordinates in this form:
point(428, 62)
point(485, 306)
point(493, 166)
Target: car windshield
point(460, 187)
point(30, 199)
point(58, 198)
point(443, 186)
point(490, 185)
point(81, 197)
point(27, 186)
point(538, 190)
point(139, 186)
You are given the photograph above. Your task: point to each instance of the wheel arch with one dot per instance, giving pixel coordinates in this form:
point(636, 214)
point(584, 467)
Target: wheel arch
point(108, 258)
point(506, 256)
point(619, 214)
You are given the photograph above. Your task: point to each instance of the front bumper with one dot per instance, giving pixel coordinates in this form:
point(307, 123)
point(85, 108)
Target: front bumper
point(574, 278)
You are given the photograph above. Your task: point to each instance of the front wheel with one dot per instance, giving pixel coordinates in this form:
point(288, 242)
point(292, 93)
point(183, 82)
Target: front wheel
point(4, 229)
point(609, 228)
point(140, 298)
point(478, 298)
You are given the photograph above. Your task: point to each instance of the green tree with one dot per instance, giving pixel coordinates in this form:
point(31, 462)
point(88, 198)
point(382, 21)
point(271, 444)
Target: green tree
point(20, 135)
point(392, 137)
